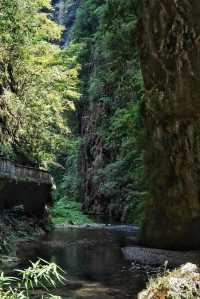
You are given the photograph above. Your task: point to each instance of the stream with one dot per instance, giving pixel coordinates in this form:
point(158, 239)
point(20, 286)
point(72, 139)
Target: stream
point(93, 260)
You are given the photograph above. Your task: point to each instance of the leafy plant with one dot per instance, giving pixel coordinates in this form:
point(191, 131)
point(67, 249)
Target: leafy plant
point(38, 82)
point(68, 211)
point(40, 274)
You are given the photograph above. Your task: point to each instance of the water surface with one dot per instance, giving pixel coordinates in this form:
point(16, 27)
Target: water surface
point(93, 260)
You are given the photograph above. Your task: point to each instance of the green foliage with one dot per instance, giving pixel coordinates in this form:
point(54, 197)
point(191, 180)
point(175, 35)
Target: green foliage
point(67, 211)
point(122, 138)
point(38, 81)
point(40, 275)
point(87, 15)
point(44, 87)
point(112, 78)
point(67, 208)
point(69, 183)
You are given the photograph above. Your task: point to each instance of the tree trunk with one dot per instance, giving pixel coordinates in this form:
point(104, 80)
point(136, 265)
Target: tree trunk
point(170, 58)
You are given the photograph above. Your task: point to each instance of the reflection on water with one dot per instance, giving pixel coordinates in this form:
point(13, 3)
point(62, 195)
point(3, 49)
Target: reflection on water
point(93, 255)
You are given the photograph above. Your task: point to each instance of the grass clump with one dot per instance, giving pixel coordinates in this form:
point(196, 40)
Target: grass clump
point(39, 278)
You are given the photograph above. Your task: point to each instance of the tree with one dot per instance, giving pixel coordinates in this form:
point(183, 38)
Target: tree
point(38, 82)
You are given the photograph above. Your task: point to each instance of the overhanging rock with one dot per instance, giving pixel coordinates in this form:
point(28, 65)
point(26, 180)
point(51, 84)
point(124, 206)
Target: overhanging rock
point(27, 186)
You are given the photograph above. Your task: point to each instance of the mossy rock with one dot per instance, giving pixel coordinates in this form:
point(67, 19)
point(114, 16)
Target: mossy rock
point(183, 283)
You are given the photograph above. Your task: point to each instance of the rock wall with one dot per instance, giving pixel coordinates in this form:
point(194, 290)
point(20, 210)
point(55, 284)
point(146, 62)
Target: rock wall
point(32, 196)
point(65, 15)
point(109, 157)
point(169, 40)
point(93, 157)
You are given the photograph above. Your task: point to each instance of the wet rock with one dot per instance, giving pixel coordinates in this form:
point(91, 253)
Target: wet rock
point(155, 257)
point(126, 228)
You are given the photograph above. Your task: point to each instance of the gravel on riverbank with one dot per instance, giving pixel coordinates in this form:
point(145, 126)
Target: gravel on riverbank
point(156, 257)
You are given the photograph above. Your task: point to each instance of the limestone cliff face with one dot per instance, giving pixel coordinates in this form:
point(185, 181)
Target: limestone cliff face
point(93, 158)
point(65, 15)
point(109, 160)
point(170, 58)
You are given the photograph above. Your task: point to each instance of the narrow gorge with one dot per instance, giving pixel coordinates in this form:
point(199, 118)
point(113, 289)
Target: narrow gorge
point(99, 149)
point(107, 113)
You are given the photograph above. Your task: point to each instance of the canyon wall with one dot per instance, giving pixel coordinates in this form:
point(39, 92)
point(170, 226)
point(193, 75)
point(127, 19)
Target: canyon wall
point(109, 160)
point(170, 57)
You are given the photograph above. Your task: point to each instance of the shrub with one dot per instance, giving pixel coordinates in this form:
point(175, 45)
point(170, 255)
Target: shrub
point(40, 275)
